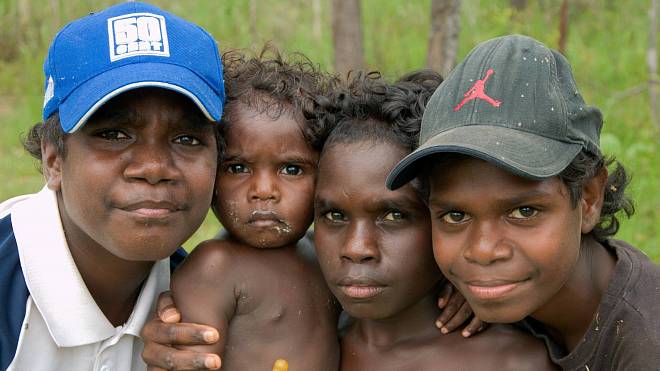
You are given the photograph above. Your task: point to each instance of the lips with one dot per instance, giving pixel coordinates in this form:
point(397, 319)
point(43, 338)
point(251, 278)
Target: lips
point(264, 219)
point(360, 287)
point(151, 209)
point(492, 289)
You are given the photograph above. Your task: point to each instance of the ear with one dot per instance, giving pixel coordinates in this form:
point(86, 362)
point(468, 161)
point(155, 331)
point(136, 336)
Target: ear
point(592, 200)
point(51, 165)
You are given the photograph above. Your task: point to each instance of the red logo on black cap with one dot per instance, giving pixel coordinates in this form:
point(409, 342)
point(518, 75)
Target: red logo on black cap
point(477, 91)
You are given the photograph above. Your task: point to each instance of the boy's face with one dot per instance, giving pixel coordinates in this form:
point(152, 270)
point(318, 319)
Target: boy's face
point(509, 244)
point(137, 178)
point(265, 184)
point(373, 244)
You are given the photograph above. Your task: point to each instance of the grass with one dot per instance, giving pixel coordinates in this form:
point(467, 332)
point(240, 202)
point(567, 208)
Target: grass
point(606, 46)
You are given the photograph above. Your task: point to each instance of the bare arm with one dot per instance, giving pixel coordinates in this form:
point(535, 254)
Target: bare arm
point(164, 331)
point(204, 291)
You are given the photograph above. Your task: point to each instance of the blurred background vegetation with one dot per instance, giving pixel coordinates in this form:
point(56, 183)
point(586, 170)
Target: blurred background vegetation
point(606, 43)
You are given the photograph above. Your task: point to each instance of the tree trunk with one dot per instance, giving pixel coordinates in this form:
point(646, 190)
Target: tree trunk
point(518, 5)
point(23, 20)
point(347, 36)
point(652, 61)
point(55, 18)
point(253, 20)
point(443, 40)
point(563, 27)
point(316, 26)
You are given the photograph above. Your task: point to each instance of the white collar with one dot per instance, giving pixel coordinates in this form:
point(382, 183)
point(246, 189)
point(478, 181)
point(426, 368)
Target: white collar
point(56, 287)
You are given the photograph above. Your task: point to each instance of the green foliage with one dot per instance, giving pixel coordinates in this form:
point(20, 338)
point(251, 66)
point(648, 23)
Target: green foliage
point(606, 46)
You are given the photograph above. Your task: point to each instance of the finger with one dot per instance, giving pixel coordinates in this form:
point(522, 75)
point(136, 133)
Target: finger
point(179, 333)
point(475, 325)
point(167, 311)
point(445, 293)
point(150, 368)
point(161, 357)
point(458, 319)
point(450, 310)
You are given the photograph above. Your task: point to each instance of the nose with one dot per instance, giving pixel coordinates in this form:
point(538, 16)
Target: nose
point(361, 245)
point(152, 160)
point(264, 186)
point(488, 245)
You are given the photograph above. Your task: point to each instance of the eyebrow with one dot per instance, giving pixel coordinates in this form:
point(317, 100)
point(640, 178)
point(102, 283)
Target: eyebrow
point(323, 204)
point(230, 157)
point(524, 197)
point(118, 116)
point(401, 203)
point(189, 121)
point(503, 202)
point(287, 160)
point(298, 160)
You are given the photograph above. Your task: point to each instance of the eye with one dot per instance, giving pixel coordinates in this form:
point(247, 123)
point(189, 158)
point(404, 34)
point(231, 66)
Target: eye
point(523, 212)
point(113, 134)
point(393, 216)
point(334, 216)
point(237, 168)
point(455, 217)
point(187, 140)
point(291, 170)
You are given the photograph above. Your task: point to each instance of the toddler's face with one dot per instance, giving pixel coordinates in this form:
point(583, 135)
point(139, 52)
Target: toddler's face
point(373, 244)
point(265, 184)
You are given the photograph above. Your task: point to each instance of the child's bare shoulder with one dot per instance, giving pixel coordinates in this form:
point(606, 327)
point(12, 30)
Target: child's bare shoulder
point(511, 348)
point(211, 261)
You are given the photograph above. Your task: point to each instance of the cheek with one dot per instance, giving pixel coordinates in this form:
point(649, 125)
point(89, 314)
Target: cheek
point(421, 256)
point(328, 247)
point(299, 203)
point(445, 248)
point(226, 196)
point(84, 186)
point(202, 175)
point(562, 246)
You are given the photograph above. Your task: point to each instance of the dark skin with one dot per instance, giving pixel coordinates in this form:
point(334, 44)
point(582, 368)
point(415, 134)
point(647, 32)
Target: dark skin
point(521, 250)
point(258, 171)
point(257, 287)
point(135, 183)
point(374, 248)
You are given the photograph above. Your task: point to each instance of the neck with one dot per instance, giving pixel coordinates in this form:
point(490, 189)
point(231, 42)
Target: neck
point(114, 283)
point(414, 322)
point(567, 319)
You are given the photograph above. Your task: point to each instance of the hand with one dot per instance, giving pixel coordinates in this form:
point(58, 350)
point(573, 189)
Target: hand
point(456, 311)
point(163, 332)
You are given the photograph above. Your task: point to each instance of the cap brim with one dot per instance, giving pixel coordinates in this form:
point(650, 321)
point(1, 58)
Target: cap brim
point(522, 153)
point(92, 94)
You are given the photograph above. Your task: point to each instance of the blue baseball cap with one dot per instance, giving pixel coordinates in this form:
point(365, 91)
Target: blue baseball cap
point(129, 46)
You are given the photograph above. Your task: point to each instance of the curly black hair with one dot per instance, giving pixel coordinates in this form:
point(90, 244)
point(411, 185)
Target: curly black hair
point(368, 107)
point(271, 83)
point(49, 130)
point(615, 201)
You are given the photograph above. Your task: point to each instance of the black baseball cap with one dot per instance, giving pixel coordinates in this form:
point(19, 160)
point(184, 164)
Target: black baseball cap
point(512, 102)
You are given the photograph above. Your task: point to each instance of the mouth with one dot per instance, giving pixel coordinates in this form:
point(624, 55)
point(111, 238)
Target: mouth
point(265, 219)
point(360, 287)
point(492, 289)
point(150, 209)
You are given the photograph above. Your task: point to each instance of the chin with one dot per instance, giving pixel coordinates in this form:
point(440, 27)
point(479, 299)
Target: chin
point(151, 251)
point(498, 316)
point(268, 240)
point(365, 311)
